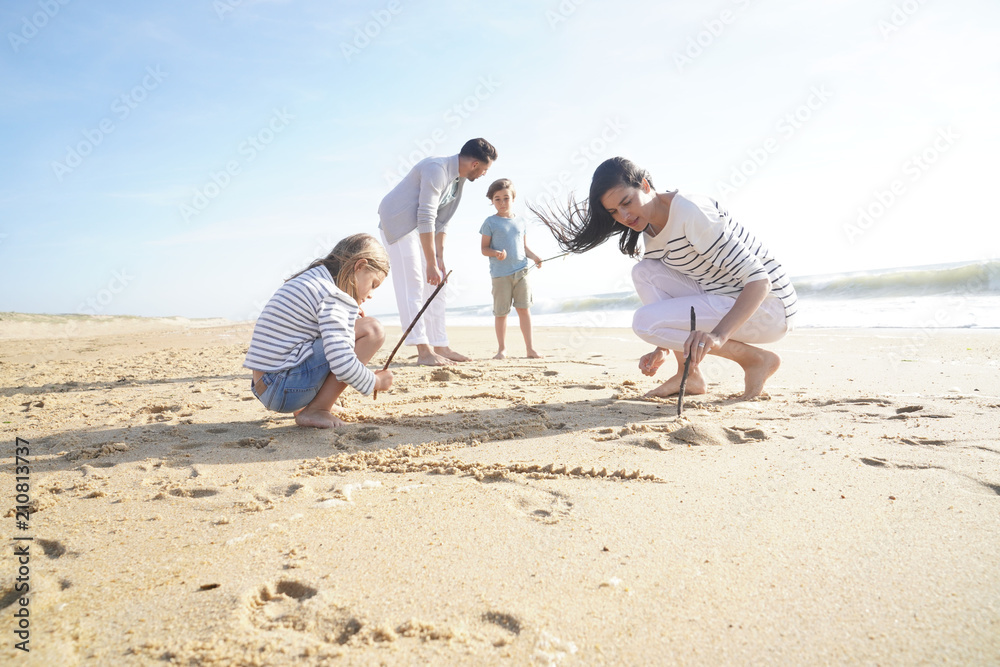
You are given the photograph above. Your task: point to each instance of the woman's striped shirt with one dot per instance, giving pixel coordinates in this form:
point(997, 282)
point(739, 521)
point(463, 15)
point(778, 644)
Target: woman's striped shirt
point(307, 307)
point(701, 240)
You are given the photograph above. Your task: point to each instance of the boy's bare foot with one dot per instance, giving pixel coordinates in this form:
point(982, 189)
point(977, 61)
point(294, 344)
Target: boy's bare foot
point(695, 385)
point(500, 355)
point(449, 353)
point(317, 418)
point(431, 359)
point(763, 366)
point(533, 355)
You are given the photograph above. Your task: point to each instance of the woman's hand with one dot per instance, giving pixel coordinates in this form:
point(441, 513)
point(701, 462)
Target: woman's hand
point(501, 255)
point(383, 380)
point(650, 363)
point(700, 343)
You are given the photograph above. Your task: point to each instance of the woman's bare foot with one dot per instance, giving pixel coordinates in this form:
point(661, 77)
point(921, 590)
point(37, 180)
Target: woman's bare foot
point(695, 385)
point(317, 418)
point(449, 353)
point(533, 355)
point(500, 355)
point(763, 366)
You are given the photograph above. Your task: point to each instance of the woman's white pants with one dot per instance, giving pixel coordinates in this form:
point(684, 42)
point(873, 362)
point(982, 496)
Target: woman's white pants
point(664, 320)
point(407, 268)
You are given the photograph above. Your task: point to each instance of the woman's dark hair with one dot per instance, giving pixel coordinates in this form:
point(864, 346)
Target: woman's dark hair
point(479, 149)
point(587, 224)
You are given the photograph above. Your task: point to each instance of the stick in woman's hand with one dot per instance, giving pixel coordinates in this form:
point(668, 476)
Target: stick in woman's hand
point(410, 328)
point(684, 378)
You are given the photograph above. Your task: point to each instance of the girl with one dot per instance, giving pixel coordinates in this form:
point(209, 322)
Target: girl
point(695, 255)
point(309, 342)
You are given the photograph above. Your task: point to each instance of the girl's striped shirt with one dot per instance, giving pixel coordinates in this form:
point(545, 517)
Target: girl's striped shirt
point(307, 307)
point(701, 240)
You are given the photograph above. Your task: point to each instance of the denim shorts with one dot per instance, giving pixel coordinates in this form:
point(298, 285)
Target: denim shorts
point(293, 388)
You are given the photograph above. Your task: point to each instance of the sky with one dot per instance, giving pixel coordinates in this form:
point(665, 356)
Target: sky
point(184, 158)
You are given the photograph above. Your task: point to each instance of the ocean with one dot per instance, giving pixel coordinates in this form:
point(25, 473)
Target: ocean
point(961, 295)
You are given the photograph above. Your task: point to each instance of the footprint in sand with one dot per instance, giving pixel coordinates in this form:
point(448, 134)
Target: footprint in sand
point(715, 434)
point(546, 507)
point(293, 605)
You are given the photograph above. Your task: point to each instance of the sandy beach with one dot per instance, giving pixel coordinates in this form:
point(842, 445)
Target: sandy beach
point(506, 512)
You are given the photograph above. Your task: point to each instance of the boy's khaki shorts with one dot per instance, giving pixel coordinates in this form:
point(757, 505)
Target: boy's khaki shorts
point(511, 289)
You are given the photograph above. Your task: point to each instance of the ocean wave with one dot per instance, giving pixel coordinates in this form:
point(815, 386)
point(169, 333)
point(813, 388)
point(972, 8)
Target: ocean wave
point(973, 278)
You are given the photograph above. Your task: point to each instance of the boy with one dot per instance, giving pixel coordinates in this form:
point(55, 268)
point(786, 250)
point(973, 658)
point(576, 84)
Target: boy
point(505, 243)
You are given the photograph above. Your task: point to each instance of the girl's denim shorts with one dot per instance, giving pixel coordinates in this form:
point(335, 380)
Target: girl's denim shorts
point(293, 388)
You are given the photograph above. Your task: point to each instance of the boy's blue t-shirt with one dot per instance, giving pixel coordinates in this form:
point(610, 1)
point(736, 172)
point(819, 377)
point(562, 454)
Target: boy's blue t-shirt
point(506, 234)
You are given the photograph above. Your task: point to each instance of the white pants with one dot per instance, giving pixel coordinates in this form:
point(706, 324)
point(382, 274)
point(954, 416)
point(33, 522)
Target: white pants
point(407, 267)
point(664, 320)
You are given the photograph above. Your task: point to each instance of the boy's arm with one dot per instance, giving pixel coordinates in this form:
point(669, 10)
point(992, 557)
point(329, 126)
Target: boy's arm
point(490, 252)
point(530, 255)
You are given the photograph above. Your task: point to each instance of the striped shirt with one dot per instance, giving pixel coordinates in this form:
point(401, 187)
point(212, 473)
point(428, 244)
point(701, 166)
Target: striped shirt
point(701, 240)
point(308, 307)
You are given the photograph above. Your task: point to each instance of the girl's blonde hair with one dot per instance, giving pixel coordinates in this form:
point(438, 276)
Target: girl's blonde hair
point(344, 257)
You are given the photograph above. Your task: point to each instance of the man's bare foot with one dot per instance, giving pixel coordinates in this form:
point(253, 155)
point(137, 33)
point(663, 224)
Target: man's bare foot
point(533, 355)
point(449, 353)
point(317, 418)
point(500, 355)
point(764, 365)
point(695, 385)
point(431, 359)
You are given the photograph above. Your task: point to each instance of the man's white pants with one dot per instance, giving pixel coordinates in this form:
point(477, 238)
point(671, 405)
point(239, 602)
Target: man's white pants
point(664, 320)
point(408, 270)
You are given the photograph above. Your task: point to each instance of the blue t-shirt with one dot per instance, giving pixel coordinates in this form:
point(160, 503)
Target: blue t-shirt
point(506, 234)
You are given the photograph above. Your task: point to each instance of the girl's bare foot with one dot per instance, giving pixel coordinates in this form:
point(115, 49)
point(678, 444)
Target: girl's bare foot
point(695, 385)
point(757, 372)
point(449, 353)
point(500, 355)
point(317, 418)
point(533, 355)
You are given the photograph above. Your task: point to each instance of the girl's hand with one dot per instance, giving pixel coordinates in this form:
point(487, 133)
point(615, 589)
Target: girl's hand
point(650, 363)
point(700, 343)
point(383, 380)
point(538, 263)
point(501, 255)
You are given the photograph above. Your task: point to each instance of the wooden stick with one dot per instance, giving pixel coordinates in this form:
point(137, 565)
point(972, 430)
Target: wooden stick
point(410, 328)
point(684, 378)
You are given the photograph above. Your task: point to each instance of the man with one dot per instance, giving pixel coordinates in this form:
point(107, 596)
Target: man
point(413, 219)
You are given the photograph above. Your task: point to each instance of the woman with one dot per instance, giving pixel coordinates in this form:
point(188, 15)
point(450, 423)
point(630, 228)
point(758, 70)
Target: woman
point(696, 255)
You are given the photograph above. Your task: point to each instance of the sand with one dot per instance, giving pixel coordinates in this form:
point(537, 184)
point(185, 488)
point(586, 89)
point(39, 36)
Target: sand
point(502, 512)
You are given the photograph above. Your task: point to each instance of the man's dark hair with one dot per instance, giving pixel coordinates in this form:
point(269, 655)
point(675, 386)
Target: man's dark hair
point(479, 149)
